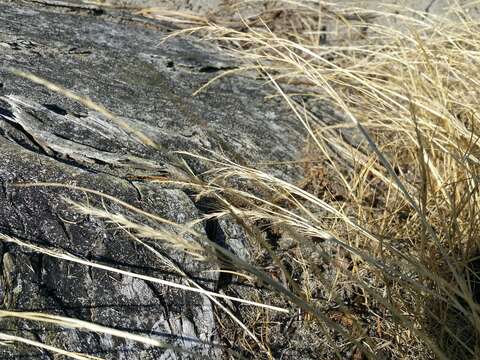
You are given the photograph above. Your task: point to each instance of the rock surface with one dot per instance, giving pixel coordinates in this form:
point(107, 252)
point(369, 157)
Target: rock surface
point(121, 62)
point(196, 6)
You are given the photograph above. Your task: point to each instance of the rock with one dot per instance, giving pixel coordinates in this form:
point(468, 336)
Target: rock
point(197, 6)
point(121, 62)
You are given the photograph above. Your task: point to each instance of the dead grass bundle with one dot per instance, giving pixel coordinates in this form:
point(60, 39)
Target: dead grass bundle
point(393, 181)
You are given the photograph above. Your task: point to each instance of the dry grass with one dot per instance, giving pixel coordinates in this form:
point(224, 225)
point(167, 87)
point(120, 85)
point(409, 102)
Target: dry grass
point(381, 233)
point(393, 182)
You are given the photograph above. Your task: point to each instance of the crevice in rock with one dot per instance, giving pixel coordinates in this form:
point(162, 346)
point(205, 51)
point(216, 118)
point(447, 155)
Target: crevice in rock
point(64, 227)
point(71, 162)
point(31, 145)
point(56, 109)
point(34, 146)
point(5, 112)
point(271, 236)
point(98, 12)
point(92, 8)
point(162, 301)
point(82, 144)
point(138, 193)
point(209, 69)
point(214, 233)
point(3, 188)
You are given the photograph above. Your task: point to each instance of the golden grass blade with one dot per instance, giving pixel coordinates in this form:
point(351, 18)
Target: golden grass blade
point(68, 257)
point(53, 349)
point(73, 323)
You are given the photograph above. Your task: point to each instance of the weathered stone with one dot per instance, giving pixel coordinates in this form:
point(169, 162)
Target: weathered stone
point(197, 6)
point(44, 137)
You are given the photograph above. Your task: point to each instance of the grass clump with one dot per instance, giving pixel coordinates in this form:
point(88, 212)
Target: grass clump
point(390, 178)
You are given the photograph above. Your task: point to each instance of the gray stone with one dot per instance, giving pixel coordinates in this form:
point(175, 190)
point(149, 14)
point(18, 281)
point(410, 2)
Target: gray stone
point(196, 6)
point(121, 62)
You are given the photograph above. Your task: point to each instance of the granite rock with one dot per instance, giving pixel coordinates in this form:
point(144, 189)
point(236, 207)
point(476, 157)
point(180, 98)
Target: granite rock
point(127, 65)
